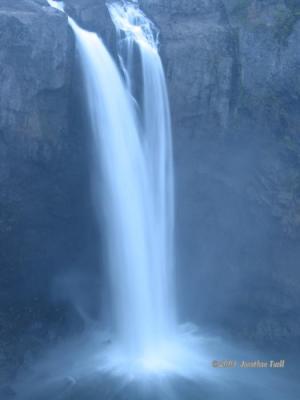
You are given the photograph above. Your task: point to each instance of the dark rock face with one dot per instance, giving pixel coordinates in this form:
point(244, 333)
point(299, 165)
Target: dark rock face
point(35, 72)
point(94, 16)
point(43, 211)
point(185, 8)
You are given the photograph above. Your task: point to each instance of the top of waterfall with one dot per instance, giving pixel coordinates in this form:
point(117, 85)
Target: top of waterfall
point(59, 5)
point(130, 19)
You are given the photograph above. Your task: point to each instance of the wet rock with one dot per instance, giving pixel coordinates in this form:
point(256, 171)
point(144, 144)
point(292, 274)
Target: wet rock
point(93, 16)
point(39, 172)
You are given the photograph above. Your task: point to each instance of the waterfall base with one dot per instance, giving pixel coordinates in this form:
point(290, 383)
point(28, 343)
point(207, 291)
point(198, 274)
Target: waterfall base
point(92, 368)
point(175, 355)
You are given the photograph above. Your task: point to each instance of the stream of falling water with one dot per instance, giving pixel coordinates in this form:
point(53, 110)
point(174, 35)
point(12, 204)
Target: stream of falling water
point(133, 186)
point(135, 29)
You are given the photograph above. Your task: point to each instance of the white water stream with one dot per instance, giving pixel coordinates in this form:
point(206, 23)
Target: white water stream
point(133, 186)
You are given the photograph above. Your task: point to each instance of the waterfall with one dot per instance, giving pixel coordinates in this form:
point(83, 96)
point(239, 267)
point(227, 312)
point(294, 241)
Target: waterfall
point(134, 29)
point(132, 173)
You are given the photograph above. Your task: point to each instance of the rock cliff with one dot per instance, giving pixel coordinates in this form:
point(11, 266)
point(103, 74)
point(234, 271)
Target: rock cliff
point(44, 213)
point(234, 91)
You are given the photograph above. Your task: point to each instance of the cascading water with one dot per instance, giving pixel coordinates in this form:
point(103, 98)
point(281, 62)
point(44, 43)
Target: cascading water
point(133, 162)
point(135, 29)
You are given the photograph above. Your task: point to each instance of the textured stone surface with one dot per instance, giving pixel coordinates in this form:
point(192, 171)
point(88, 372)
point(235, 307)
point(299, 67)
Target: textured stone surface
point(93, 15)
point(43, 210)
point(234, 90)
